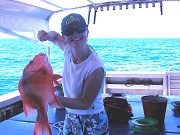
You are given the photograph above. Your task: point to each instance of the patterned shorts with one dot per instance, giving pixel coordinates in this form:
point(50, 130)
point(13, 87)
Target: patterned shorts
point(95, 124)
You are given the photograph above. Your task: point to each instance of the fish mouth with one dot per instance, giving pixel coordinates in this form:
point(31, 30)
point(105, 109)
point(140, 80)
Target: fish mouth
point(42, 54)
point(39, 62)
point(42, 58)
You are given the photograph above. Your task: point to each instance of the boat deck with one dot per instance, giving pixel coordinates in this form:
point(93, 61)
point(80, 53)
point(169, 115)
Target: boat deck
point(19, 124)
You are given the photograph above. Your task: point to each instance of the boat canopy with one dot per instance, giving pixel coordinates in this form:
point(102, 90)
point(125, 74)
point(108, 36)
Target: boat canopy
point(33, 15)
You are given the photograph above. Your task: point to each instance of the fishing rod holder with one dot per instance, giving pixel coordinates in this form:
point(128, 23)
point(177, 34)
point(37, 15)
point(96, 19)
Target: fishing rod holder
point(121, 4)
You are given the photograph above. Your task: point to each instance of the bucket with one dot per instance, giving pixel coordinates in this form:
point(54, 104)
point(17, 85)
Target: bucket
point(154, 107)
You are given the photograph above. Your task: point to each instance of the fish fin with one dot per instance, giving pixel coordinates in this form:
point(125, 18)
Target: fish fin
point(42, 126)
point(21, 89)
point(57, 83)
point(56, 76)
point(28, 109)
point(54, 103)
point(55, 79)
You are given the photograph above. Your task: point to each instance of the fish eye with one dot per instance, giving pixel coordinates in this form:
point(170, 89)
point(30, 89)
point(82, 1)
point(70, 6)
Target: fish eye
point(31, 62)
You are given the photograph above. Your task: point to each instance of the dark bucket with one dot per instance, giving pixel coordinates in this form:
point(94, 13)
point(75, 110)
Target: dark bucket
point(154, 107)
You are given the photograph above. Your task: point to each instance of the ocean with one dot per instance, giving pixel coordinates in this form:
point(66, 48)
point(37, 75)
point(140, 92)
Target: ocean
point(118, 54)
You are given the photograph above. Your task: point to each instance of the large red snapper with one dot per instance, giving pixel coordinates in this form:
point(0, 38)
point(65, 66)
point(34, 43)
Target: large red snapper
point(37, 91)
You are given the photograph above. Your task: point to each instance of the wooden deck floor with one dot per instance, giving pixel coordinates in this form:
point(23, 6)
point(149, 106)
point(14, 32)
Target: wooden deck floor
point(20, 125)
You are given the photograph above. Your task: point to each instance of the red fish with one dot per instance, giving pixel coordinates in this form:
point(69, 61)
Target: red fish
point(37, 91)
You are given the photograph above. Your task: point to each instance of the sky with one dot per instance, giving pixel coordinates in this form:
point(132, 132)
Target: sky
point(129, 23)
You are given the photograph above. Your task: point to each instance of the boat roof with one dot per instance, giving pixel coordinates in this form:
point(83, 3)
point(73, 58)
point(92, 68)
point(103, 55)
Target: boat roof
point(33, 15)
point(44, 9)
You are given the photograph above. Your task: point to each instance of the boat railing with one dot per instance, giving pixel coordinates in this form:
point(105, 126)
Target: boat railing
point(137, 83)
point(173, 83)
point(136, 67)
point(153, 83)
point(10, 105)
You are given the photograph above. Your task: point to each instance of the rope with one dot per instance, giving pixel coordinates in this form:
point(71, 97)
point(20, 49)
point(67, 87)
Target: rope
point(132, 82)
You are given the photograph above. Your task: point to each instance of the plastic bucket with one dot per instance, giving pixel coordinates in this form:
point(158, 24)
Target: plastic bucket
point(154, 107)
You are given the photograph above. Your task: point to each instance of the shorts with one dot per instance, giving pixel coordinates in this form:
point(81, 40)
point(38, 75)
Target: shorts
point(95, 124)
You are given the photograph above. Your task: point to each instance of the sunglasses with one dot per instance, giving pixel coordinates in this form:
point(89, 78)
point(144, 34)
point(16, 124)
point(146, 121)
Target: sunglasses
point(71, 31)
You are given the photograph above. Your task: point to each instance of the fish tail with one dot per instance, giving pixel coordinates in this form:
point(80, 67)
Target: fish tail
point(42, 126)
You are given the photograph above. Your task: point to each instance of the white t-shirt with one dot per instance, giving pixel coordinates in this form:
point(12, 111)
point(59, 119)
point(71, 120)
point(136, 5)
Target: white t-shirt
point(74, 76)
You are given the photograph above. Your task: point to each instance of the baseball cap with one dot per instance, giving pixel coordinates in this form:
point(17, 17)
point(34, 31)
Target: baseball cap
point(73, 20)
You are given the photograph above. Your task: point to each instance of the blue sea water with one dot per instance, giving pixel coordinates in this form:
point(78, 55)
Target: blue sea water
point(118, 54)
